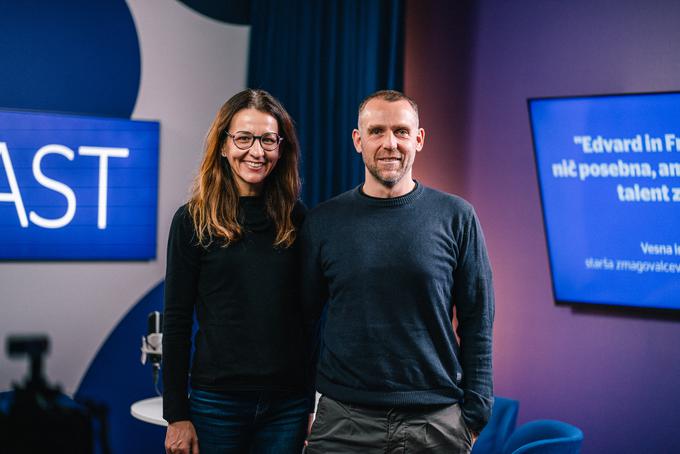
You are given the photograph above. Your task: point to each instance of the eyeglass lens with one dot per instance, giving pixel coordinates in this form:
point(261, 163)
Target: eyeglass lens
point(244, 140)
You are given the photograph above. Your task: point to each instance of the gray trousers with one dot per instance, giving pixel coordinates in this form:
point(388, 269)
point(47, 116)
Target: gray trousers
point(341, 428)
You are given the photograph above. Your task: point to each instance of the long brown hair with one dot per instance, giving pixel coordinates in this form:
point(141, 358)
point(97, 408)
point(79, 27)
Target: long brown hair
point(214, 201)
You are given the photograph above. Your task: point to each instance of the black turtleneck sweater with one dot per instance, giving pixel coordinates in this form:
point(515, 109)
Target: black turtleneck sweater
point(391, 272)
point(247, 306)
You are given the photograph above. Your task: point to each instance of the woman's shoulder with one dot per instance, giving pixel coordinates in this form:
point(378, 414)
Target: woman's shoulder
point(182, 214)
point(182, 221)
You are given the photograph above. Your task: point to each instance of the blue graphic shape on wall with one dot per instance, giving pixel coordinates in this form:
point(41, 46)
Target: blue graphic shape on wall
point(78, 56)
point(117, 379)
point(77, 188)
point(228, 11)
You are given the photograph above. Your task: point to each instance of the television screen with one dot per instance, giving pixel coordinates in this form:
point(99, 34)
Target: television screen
point(77, 187)
point(609, 177)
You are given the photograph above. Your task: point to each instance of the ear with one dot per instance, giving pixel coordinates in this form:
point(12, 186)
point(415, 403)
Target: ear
point(420, 139)
point(356, 139)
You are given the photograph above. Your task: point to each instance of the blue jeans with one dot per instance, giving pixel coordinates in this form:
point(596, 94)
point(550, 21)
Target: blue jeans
point(249, 422)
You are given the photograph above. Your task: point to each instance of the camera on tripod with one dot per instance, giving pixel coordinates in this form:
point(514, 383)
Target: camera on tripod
point(37, 417)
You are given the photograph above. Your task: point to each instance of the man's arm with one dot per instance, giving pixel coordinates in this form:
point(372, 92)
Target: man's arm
point(474, 300)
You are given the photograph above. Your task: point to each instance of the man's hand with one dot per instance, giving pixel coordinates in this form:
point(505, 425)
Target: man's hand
point(181, 438)
point(310, 421)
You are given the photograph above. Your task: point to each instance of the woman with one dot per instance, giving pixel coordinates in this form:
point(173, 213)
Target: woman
point(233, 262)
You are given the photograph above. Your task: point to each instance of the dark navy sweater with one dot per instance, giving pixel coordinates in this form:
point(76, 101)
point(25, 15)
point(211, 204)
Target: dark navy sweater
point(391, 271)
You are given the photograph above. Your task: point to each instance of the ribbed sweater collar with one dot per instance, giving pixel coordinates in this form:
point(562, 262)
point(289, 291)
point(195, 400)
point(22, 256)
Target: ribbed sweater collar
point(253, 213)
point(403, 200)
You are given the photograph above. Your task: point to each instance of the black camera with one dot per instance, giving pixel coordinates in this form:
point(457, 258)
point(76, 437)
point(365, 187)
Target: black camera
point(36, 417)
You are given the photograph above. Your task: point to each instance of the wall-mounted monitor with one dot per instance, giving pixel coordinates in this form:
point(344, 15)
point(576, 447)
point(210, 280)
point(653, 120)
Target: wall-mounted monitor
point(609, 176)
point(77, 187)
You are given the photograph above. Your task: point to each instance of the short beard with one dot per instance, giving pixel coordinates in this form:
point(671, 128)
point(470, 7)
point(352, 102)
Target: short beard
point(387, 183)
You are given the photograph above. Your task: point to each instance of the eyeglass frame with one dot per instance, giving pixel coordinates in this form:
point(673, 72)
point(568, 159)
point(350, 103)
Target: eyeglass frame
point(259, 138)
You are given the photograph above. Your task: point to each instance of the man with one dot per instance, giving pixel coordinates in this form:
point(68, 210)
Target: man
point(391, 260)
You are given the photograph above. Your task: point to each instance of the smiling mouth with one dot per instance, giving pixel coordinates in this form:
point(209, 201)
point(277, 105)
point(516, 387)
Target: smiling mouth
point(254, 165)
point(388, 160)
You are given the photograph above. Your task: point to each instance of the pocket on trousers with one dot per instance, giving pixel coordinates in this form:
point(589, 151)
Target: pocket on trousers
point(325, 423)
point(320, 410)
point(466, 429)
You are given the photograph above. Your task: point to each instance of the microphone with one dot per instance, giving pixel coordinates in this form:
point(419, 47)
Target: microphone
point(152, 345)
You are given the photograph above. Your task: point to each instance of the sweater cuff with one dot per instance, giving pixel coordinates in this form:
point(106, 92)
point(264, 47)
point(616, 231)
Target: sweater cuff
point(175, 409)
point(476, 413)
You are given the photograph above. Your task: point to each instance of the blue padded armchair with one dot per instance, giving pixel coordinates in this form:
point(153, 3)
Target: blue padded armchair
point(501, 424)
point(545, 436)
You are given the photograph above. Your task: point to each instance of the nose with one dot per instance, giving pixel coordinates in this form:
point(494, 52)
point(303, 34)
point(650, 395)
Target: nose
point(256, 150)
point(389, 141)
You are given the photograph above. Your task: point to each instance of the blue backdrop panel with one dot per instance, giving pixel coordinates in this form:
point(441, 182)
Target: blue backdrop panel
point(77, 56)
point(116, 378)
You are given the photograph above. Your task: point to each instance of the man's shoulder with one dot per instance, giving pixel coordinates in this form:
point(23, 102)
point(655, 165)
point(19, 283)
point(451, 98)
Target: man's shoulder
point(333, 206)
point(447, 203)
point(299, 213)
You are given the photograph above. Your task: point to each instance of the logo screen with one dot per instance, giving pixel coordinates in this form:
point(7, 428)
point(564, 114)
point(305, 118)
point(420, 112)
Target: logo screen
point(77, 188)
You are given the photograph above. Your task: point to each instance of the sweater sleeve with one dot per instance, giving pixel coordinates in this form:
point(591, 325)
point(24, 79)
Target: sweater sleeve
point(181, 282)
point(474, 300)
point(314, 297)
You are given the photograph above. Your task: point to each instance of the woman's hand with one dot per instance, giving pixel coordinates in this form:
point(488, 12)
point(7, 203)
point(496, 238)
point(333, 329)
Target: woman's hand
point(310, 421)
point(181, 438)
